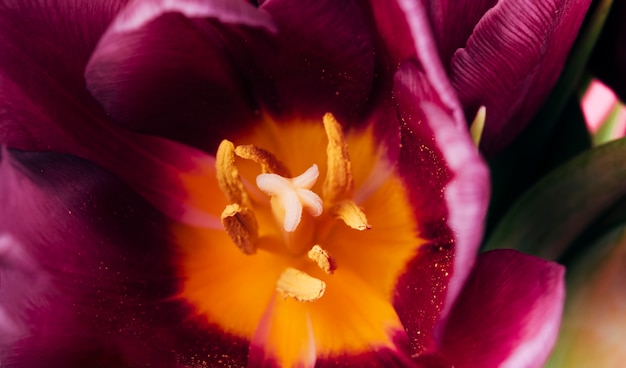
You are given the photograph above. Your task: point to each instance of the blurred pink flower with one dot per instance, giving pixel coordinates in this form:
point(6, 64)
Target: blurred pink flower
point(600, 106)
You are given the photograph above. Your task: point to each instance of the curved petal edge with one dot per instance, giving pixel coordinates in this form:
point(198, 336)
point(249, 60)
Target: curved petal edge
point(508, 314)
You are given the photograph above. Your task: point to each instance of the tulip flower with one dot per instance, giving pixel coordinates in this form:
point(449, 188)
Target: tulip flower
point(211, 183)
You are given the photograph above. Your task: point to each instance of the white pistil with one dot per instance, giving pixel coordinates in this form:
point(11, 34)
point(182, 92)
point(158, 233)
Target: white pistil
point(292, 195)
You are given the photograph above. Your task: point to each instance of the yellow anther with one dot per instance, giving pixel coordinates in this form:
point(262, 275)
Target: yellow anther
point(228, 177)
point(351, 214)
point(339, 183)
point(241, 226)
point(269, 163)
point(302, 287)
point(322, 258)
point(238, 217)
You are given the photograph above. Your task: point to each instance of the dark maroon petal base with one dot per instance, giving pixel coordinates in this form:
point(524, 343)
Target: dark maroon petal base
point(87, 274)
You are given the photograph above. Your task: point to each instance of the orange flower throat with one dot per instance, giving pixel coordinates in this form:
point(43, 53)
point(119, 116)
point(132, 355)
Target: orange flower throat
point(288, 198)
point(307, 263)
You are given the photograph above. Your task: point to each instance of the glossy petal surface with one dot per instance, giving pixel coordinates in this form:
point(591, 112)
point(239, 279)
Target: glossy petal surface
point(454, 164)
point(25, 65)
point(45, 106)
point(164, 68)
point(511, 61)
point(234, 61)
point(404, 29)
point(507, 315)
point(453, 22)
point(86, 273)
point(323, 52)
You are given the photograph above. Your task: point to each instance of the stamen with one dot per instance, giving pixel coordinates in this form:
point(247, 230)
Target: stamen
point(339, 182)
point(237, 218)
point(269, 163)
point(241, 226)
point(351, 214)
point(476, 129)
point(322, 258)
point(228, 177)
point(302, 287)
point(292, 195)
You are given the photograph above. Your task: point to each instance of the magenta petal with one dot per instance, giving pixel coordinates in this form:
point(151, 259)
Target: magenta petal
point(449, 189)
point(321, 60)
point(163, 68)
point(404, 28)
point(140, 12)
point(44, 32)
point(47, 117)
point(453, 22)
point(511, 62)
point(45, 107)
point(88, 275)
point(508, 314)
point(44, 42)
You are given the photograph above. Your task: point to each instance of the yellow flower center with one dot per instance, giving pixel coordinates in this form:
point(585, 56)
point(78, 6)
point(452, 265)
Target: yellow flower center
point(288, 198)
point(305, 265)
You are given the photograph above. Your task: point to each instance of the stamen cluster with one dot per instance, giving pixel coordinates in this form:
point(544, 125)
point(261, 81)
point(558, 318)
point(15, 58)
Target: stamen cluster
point(292, 201)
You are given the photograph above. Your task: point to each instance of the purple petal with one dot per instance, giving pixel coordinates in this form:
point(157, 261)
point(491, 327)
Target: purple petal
point(164, 68)
point(322, 59)
point(87, 274)
point(44, 107)
point(44, 32)
point(46, 118)
point(404, 28)
point(449, 189)
point(511, 62)
point(71, 30)
point(141, 12)
point(508, 314)
point(194, 80)
point(453, 22)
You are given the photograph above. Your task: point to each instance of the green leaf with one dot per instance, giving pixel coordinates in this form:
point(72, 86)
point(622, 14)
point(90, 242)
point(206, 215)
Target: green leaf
point(555, 211)
point(606, 131)
point(516, 170)
point(592, 332)
point(522, 163)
